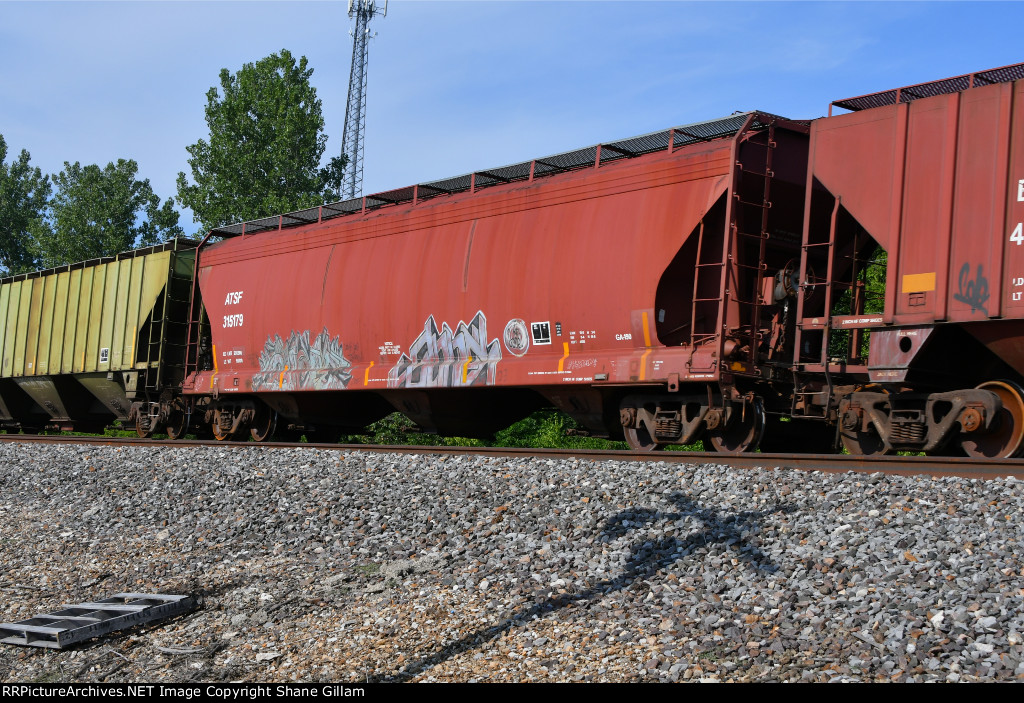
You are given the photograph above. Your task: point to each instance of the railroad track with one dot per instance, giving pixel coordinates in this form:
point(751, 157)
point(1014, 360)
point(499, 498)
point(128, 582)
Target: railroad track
point(963, 467)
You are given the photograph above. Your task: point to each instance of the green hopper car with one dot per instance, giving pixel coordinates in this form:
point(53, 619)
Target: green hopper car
point(90, 343)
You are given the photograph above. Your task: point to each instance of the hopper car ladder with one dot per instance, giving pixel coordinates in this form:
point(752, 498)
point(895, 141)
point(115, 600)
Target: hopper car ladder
point(760, 212)
point(824, 322)
point(164, 339)
point(196, 316)
point(721, 272)
point(824, 364)
point(819, 360)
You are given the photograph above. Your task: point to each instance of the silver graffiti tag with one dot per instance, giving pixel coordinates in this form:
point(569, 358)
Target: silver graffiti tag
point(442, 358)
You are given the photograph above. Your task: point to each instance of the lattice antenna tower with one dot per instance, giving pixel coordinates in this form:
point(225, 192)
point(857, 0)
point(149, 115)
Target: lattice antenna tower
point(362, 11)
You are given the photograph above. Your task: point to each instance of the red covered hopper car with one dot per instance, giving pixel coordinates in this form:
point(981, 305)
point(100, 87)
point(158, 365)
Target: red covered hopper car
point(753, 281)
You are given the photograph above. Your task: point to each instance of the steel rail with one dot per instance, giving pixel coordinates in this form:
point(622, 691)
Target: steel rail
point(962, 467)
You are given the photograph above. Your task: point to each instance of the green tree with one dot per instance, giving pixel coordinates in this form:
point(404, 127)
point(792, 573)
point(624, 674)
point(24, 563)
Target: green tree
point(23, 194)
point(266, 142)
point(102, 211)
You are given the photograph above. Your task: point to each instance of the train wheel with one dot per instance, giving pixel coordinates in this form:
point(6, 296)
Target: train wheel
point(640, 440)
point(177, 424)
point(743, 434)
point(144, 427)
point(1006, 437)
point(863, 443)
point(219, 434)
point(264, 425)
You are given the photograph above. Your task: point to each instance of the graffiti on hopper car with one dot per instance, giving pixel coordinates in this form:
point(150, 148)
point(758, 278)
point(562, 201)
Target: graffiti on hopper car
point(443, 358)
point(973, 291)
point(299, 364)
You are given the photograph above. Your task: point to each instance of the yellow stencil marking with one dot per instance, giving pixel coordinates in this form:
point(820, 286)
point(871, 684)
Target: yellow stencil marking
point(215, 367)
point(919, 282)
point(647, 343)
point(465, 369)
point(280, 380)
point(366, 376)
point(561, 362)
point(131, 349)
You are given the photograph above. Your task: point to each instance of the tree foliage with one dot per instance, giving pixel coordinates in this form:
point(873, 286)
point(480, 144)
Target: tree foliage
point(871, 275)
point(23, 194)
point(266, 142)
point(102, 211)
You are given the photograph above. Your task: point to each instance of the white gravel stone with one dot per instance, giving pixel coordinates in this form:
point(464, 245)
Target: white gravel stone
point(356, 566)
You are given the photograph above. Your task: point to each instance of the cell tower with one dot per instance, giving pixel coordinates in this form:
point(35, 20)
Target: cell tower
point(355, 112)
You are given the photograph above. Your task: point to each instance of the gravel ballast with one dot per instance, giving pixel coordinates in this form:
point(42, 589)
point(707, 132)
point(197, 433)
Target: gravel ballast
point(316, 565)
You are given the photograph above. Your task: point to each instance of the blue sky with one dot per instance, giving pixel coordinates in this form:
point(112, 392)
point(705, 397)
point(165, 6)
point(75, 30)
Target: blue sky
point(460, 86)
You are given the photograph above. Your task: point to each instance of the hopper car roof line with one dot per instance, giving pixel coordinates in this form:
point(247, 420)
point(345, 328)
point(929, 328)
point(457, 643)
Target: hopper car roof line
point(176, 244)
point(1003, 74)
point(628, 148)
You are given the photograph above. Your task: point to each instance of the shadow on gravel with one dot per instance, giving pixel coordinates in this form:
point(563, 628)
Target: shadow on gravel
point(647, 559)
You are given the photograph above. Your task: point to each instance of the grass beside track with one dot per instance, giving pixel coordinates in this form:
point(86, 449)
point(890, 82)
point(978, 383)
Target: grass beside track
point(544, 429)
